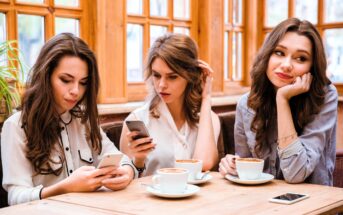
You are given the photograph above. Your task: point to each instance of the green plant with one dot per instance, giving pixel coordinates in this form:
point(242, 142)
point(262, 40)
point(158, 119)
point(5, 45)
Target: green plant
point(11, 76)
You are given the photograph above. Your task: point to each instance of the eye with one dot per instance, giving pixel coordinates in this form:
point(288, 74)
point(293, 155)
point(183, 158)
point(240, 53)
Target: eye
point(301, 59)
point(278, 53)
point(156, 75)
point(173, 77)
point(84, 83)
point(66, 81)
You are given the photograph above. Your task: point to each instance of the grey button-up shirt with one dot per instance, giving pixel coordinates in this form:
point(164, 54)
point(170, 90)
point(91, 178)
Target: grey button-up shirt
point(310, 158)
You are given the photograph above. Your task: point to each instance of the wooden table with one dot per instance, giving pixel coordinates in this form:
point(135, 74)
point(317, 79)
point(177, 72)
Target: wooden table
point(219, 196)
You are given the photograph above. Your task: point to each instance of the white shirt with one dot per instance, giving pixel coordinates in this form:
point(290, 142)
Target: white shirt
point(171, 143)
point(20, 180)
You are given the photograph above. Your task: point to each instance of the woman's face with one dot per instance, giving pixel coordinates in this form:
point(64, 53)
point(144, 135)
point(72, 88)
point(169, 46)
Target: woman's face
point(168, 85)
point(291, 58)
point(69, 82)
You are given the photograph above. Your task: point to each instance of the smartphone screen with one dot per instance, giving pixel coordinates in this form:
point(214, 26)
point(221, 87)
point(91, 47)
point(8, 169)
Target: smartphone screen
point(289, 196)
point(138, 126)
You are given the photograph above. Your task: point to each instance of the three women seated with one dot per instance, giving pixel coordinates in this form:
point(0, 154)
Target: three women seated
point(288, 118)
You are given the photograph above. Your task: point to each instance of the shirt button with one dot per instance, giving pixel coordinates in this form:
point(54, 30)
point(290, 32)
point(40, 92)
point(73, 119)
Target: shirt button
point(71, 171)
point(67, 148)
point(62, 128)
point(90, 159)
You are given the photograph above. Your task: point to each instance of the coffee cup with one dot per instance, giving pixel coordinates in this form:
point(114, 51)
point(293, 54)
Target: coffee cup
point(171, 180)
point(194, 166)
point(249, 168)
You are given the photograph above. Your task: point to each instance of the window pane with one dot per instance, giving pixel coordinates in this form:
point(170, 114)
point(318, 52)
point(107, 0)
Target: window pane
point(237, 12)
point(67, 25)
point(31, 37)
point(277, 11)
point(181, 9)
point(2, 27)
point(158, 7)
point(226, 11)
point(334, 51)
point(134, 6)
point(156, 31)
point(237, 56)
point(31, 1)
point(181, 30)
point(134, 53)
point(307, 9)
point(333, 11)
point(226, 54)
point(68, 3)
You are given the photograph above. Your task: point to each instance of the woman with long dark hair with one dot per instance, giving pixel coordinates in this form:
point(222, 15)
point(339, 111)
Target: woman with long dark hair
point(53, 144)
point(289, 117)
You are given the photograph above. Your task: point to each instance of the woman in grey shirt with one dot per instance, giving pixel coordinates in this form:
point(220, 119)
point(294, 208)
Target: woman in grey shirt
point(289, 117)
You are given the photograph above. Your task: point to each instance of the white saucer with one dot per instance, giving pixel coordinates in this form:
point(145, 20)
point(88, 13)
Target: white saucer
point(265, 177)
point(198, 181)
point(190, 190)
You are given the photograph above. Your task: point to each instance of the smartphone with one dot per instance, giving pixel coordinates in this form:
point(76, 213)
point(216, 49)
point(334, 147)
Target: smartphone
point(289, 198)
point(139, 126)
point(110, 159)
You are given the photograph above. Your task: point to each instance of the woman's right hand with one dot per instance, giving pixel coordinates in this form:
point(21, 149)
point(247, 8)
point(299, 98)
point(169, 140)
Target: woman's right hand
point(139, 148)
point(227, 165)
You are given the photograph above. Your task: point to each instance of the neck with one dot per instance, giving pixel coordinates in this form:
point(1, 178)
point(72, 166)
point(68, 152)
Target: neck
point(176, 111)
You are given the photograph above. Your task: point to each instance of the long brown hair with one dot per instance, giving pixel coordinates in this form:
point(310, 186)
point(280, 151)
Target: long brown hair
point(180, 53)
point(39, 115)
point(262, 95)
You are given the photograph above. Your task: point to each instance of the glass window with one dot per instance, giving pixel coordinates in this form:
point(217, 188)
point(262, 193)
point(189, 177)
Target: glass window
point(32, 1)
point(333, 11)
point(307, 9)
point(2, 27)
point(226, 55)
point(181, 9)
point(134, 53)
point(31, 37)
point(181, 30)
point(237, 12)
point(156, 31)
point(226, 11)
point(334, 51)
point(134, 6)
point(68, 3)
point(158, 7)
point(237, 56)
point(67, 25)
point(277, 11)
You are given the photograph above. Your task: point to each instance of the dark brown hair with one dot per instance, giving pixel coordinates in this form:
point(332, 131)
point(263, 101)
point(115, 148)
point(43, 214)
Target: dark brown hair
point(262, 95)
point(180, 53)
point(39, 115)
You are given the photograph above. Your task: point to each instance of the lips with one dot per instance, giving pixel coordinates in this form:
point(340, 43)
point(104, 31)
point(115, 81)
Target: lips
point(163, 95)
point(72, 102)
point(283, 75)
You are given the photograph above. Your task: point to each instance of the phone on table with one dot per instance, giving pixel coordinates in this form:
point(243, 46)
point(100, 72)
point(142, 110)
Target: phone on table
point(289, 198)
point(139, 126)
point(110, 159)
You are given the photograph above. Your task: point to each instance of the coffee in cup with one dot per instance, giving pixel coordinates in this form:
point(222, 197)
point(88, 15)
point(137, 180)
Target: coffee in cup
point(249, 168)
point(171, 180)
point(194, 166)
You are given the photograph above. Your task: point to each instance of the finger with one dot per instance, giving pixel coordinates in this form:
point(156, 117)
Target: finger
point(144, 147)
point(116, 180)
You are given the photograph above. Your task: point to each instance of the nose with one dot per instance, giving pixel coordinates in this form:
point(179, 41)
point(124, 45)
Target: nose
point(163, 83)
point(287, 64)
point(74, 90)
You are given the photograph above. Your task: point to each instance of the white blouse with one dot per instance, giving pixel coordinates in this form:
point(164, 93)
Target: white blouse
point(20, 180)
point(171, 143)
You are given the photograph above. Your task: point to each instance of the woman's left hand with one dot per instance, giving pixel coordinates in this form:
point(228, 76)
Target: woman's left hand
point(119, 180)
point(207, 78)
point(301, 85)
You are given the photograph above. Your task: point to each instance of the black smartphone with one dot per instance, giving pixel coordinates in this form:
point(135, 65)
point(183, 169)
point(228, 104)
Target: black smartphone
point(137, 125)
point(289, 198)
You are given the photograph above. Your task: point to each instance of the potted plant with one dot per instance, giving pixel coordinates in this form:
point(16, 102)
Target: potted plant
point(11, 74)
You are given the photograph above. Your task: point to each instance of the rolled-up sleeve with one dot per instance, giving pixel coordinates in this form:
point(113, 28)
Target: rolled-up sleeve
point(299, 159)
point(17, 170)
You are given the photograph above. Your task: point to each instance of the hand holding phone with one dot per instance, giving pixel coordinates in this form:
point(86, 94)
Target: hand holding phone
point(110, 159)
point(289, 198)
point(139, 127)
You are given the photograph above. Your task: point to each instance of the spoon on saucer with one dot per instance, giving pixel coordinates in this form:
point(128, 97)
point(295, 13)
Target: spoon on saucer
point(203, 175)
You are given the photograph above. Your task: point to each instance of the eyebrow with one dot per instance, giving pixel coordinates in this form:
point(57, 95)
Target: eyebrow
point(298, 50)
point(70, 76)
point(169, 73)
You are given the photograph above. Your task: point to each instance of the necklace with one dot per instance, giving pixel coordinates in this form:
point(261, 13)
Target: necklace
point(67, 123)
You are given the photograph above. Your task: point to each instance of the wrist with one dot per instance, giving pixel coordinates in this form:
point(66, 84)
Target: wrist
point(138, 163)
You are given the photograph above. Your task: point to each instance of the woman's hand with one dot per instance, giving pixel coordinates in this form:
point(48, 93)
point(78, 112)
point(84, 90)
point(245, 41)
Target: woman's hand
point(119, 179)
point(227, 165)
point(87, 178)
point(301, 85)
point(139, 148)
point(207, 79)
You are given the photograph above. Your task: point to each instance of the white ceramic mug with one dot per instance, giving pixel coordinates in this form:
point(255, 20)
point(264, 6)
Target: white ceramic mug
point(249, 168)
point(171, 180)
point(194, 166)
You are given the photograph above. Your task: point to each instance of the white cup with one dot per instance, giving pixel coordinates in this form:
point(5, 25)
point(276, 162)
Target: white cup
point(171, 180)
point(249, 168)
point(194, 167)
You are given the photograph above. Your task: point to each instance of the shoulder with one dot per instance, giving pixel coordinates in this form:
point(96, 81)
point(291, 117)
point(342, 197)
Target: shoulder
point(331, 93)
point(14, 120)
point(243, 100)
point(141, 113)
